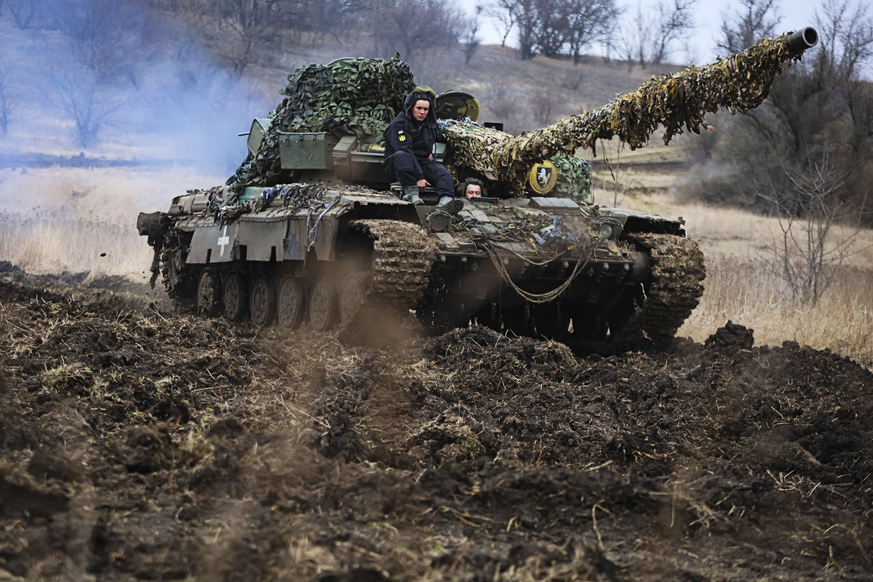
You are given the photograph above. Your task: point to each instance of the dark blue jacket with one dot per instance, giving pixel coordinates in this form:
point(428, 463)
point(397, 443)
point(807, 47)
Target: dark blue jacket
point(410, 135)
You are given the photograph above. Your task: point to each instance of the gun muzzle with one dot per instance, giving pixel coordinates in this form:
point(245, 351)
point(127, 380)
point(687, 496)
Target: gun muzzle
point(803, 39)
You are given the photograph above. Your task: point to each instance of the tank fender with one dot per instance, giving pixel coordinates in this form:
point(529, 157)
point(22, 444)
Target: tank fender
point(153, 225)
point(146, 220)
point(636, 221)
point(296, 244)
point(214, 243)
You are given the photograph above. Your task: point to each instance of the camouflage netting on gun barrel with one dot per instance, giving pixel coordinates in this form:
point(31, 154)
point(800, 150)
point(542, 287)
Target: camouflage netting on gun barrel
point(738, 83)
point(362, 94)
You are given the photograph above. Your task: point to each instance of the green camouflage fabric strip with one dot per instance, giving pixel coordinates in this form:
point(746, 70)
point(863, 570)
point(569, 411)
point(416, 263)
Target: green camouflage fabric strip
point(738, 83)
point(363, 94)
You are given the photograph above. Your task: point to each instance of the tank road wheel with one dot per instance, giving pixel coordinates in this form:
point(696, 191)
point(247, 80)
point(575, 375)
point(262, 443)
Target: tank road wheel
point(290, 302)
point(352, 293)
point(262, 301)
point(235, 295)
point(323, 308)
point(207, 299)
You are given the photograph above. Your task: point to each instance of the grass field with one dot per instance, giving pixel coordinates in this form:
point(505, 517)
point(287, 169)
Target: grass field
point(742, 284)
point(75, 220)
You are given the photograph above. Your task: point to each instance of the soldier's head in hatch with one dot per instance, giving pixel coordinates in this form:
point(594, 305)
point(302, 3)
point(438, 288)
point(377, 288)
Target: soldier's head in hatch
point(472, 188)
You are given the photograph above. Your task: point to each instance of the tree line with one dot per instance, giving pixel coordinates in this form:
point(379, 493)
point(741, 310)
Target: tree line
point(805, 155)
point(106, 41)
point(824, 103)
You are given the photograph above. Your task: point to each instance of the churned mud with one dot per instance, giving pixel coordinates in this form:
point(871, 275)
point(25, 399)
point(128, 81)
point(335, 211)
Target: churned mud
point(140, 444)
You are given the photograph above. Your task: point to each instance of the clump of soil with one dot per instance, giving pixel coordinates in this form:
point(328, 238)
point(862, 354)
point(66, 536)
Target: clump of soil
point(139, 444)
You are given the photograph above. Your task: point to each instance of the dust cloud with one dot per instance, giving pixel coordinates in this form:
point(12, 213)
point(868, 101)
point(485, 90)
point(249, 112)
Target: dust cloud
point(112, 111)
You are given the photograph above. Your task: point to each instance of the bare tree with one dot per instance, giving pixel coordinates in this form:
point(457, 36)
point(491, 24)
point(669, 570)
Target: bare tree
point(504, 12)
point(550, 33)
point(588, 21)
point(9, 99)
point(552, 27)
point(754, 21)
point(26, 13)
point(471, 36)
point(529, 23)
point(805, 251)
point(325, 17)
point(652, 35)
point(245, 28)
point(107, 36)
point(635, 37)
point(409, 26)
point(85, 97)
point(674, 26)
point(105, 43)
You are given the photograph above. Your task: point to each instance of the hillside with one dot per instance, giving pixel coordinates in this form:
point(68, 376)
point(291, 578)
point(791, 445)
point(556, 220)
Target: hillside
point(170, 108)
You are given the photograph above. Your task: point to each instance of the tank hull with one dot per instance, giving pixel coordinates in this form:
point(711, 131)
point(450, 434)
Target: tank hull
point(333, 257)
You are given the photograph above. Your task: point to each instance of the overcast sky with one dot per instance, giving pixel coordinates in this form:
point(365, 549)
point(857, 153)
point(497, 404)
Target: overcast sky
point(708, 16)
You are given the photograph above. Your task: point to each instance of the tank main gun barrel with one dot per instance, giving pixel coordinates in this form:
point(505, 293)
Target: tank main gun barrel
point(739, 82)
point(803, 39)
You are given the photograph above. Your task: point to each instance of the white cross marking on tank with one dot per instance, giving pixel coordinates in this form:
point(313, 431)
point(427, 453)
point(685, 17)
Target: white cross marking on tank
point(223, 241)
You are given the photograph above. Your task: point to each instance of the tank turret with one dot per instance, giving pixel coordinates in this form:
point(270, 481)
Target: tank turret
point(309, 229)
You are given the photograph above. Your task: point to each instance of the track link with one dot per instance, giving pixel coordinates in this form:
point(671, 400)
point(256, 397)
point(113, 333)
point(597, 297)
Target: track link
point(399, 274)
point(677, 272)
point(177, 277)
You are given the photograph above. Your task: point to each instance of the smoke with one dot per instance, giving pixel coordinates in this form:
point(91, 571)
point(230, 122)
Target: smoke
point(113, 110)
point(114, 80)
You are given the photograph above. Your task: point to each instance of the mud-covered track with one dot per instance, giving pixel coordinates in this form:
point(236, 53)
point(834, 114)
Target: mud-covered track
point(674, 289)
point(399, 274)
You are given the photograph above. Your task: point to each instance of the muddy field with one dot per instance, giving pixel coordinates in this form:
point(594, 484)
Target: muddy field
point(139, 444)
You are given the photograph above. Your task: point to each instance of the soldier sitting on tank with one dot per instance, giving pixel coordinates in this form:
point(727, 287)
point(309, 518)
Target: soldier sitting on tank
point(408, 151)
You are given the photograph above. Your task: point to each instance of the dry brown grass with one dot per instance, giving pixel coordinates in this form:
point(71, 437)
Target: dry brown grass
point(742, 285)
point(84, 220)
point(747, 292)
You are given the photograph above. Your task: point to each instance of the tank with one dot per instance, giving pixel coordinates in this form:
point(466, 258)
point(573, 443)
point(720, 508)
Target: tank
point(309, 232)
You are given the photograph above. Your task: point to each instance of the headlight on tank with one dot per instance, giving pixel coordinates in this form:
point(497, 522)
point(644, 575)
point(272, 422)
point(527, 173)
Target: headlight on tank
point(609, 228)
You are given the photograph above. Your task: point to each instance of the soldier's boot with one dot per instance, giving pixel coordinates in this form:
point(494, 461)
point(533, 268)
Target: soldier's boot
point(450, 205)
point(410, 194)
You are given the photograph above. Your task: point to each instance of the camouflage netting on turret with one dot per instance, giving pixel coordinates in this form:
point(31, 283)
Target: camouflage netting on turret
point(361, 94)
point(574, 178)
point(738, 83)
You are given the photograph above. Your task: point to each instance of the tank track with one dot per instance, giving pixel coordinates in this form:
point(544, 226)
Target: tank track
point(399, 275)
point(677, 271)
point(177, 279)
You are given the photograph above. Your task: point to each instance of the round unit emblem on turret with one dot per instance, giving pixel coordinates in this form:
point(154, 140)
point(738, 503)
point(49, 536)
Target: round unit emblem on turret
point(542, 177)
